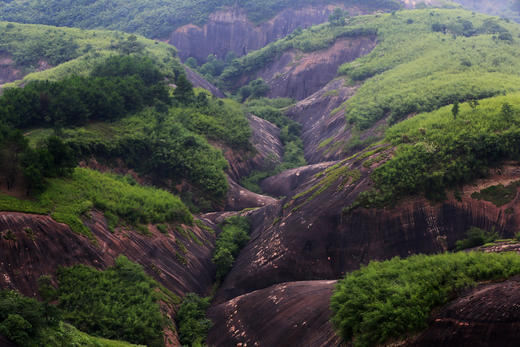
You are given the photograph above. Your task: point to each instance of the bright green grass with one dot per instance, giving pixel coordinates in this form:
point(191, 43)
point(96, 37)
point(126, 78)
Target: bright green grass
point(94, 46)
point(68, 200)
point(435, 151)
point(389, 300)
point(413, 69)
point(68, 334)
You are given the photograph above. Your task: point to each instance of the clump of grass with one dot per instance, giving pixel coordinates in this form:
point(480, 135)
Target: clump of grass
point(499, 195)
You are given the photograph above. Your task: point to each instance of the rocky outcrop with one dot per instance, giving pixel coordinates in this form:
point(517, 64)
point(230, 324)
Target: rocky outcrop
point(488, 315)
point(289, 314)
point(8, 70)
point(198, 81)
point(325, 133)
point(286, 182)
point(267, 153)
point(230, 30)
point(239, 198)
point(297, 75)
point(37, 245)
point(308, 237)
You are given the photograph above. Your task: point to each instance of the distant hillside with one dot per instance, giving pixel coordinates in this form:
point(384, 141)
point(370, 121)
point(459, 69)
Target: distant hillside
point(152, 18)
point(30, 49)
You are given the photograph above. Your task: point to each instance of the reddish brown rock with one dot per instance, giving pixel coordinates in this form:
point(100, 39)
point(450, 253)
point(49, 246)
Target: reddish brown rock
point(230, 30)
point(42, 245)
point(289, 314)
point(488, 315)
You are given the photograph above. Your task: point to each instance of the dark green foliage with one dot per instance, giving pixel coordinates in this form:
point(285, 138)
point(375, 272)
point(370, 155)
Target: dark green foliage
point(455, 109)
point(337, 17)
point(391, 299)
point(234, 236)
point(153, 18)
point(499, 195)
point(21, 319)
point(120, 302)
point(192, 323)
point(183, 93)
point(120, 86)
point(435, 151)
point(476, 237)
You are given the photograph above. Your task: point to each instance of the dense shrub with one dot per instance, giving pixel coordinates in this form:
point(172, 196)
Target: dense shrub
point(391, 299)
point(118, 303)
point(435, 151)
point(476, 237)
point(192, 323)
point(234, 236)
point(120, 86)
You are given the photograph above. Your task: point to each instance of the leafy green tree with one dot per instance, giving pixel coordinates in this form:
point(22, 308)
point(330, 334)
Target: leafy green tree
point(183, 92)
point(455, 109)
point(337, 17)
point(193, 325)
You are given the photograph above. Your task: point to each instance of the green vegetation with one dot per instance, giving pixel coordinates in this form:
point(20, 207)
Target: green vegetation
point(28, 322)
point(119, 86)
point(121, 302)
point(434, 151)
point(499, 195)
point(72, 51)
point(389, 300)
point(234, 236)
point(152, 18)
point(68, 200)
point(476, 237)
point(437, 57)
point(191, 320)
point(308, 40)
point(290, 131)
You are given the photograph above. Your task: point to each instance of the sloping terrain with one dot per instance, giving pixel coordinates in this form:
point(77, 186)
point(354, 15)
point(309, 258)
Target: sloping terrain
point(288, 314)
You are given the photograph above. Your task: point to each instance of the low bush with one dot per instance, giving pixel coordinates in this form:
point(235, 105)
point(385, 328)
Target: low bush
point(476, 237)
point(389, 300)
point(234, 236)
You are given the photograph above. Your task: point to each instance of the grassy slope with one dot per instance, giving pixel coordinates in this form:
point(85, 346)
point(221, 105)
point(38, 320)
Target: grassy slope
point(68, 200)
point(431, 68)
point(389, 300)
point(93, 47)
point(435, 151)
point(152, 18)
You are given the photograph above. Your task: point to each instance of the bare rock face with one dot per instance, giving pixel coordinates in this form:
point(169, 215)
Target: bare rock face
point(488, 315)
point(230, 30)
point(8, 70)
point(198, 81)
point(39, 245)
point(239, 198)
point(268, 150)
point(297, 75)
point(286, 182)
point(308, 237)
point(289, 314)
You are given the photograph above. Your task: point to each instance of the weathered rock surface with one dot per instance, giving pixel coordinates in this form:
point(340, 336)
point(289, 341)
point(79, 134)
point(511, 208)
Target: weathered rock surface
point(199, 81)
point(42, 245)
point(308, 237)
point(297, 75)
point(288, 314)
point(239, 198)
point(286, 182)
point(488, 315)
point(8, 70)
point(230, 30)
point(268, 150)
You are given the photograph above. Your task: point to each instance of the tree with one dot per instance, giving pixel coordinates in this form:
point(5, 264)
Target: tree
point(507, 112)
point(337, 17)
point(183, 93)
point(473, 103)
point(191, 62)
point(455, 109)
